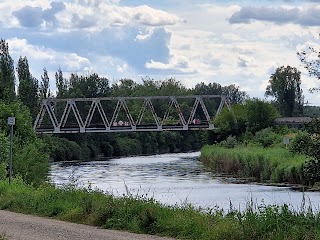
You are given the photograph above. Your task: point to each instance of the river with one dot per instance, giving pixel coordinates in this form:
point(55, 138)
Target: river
point(175, 179)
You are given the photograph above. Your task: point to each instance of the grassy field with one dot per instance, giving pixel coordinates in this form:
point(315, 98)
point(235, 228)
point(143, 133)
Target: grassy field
point(143, 215)
point(274, 164)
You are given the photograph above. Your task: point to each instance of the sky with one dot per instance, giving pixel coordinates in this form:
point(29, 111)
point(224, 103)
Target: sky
point(193, 41)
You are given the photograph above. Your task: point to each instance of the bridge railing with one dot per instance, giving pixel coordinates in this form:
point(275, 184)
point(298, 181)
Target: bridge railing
point(127, 114)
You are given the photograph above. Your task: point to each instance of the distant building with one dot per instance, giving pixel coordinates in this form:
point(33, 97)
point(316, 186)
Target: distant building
point(292, 121)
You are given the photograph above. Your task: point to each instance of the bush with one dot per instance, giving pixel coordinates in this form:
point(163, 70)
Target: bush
point(3, 170)
point(301, 143)
point(23, 130)
point(128, 146)
point(311, 171)
point(4, 147)
point(230, 142)
point(31, 163)
point(61, 149)
point(267, 137)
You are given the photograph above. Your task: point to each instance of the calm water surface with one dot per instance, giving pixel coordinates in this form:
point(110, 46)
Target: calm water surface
point(175, 179)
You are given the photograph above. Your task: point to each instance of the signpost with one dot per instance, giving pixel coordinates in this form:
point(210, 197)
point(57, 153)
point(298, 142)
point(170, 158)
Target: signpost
point(286, 141)
point(11, 123)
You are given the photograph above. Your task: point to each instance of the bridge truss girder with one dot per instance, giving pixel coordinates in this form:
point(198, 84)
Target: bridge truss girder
point(84, 123)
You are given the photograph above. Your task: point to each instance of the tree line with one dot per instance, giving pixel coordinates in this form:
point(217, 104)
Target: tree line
point(284, 86)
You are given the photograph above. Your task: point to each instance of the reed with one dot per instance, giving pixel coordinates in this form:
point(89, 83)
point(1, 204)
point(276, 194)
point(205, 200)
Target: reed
point(274, 164)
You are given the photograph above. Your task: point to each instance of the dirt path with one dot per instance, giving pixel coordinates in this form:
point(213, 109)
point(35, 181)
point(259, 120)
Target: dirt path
point(17, 226)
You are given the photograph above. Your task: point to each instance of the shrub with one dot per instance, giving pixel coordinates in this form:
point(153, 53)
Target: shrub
point(31, 163)
point(267, 137)
point(230, 142)
point(311, 171)
point(23, 130)
point(61, 149)
point(301, 143)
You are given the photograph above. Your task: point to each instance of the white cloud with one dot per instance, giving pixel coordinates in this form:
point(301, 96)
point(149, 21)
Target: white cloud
point(305, 15)
point(122, 68)
point(188, 41)
point(110, 14)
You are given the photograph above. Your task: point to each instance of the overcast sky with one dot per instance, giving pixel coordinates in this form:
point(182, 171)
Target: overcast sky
point(228, 42)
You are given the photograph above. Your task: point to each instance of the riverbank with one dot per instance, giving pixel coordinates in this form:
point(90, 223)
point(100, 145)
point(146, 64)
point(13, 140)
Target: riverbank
point(141, 215)
point(273, 165)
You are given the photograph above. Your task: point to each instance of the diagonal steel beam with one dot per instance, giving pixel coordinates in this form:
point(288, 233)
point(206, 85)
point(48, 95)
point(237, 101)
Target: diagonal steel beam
point(88, 125)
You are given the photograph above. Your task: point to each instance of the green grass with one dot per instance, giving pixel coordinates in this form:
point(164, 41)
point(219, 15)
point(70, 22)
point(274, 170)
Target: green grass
point(3, 237)
point(274, 164)
point(143, 215)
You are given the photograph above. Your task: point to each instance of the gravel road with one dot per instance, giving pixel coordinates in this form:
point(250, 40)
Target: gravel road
point(17, 226)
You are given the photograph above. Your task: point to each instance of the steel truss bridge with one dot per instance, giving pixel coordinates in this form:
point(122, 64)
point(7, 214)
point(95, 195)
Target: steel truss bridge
point(129, 114)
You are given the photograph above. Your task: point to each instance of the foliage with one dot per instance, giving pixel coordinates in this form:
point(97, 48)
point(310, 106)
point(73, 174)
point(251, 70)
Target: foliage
point(4, 148)
point(61, 84)
point(231, 123)
point(233, 93)
point(284, 85)
point(28, 87)
point(311, 171)
point(310, 58)
point(44, 88)
point(88, 86)
point(313, 127)
point(4, 155)
point(312, 167)
point(23, 130)
point(31, 163)
point(267, 138)
point(128, 146)
point(3, 171)
point(230, 142)
point(263, 164)
point(260, 115)
point(143, 215)
point(301, 143)
point(235, 96)
point(3, 236)
point(61, 149)
point(7, 75)
point(308, 143)
point(311, 111)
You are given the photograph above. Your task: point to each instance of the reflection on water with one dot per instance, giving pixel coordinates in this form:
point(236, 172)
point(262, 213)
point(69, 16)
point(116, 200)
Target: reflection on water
point(174, 179)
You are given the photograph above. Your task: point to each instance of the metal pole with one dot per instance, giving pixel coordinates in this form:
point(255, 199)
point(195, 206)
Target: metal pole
point(10, 161)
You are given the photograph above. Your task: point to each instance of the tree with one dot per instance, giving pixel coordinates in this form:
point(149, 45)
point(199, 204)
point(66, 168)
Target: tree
point(7, 76)
point(311, 61)
point(28, 86)
point(88, 86)
point(260, 114)
point(171, 87)
point(231, 123)
point(125, 88)
point(44, 90)
point(207, 89)
point(284, 85)
point(234, 94)
point(61, 84)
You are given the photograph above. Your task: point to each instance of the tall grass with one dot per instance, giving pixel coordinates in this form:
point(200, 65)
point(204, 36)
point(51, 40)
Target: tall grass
point(143, 215)
point(3, 237)
point(274, 164)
